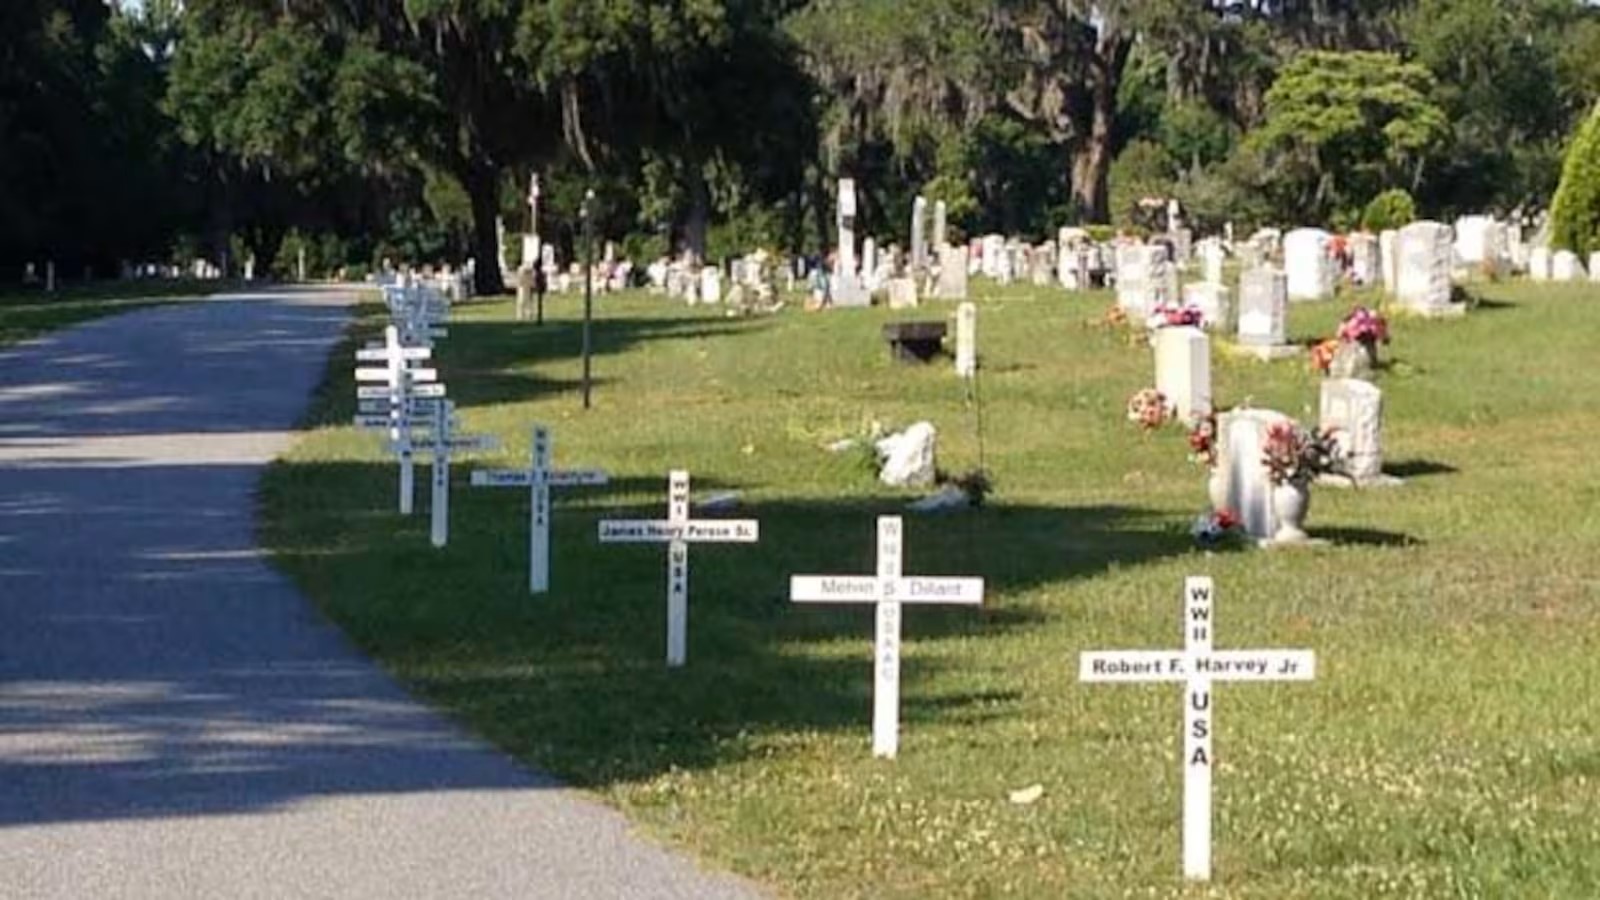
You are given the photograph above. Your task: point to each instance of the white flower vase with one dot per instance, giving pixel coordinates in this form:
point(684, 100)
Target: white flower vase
point(1289, 503)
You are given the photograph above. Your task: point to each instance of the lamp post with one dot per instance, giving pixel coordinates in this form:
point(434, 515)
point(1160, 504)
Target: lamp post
point(588, 285)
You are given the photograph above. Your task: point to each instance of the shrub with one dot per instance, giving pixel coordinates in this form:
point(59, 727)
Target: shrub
point(1575, 212)
point(1391, 209)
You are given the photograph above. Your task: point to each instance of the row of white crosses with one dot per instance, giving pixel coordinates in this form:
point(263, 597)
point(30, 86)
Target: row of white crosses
point(539, 478)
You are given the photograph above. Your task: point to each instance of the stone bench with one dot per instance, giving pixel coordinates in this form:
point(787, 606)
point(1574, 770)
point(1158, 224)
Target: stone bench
point(912, 342)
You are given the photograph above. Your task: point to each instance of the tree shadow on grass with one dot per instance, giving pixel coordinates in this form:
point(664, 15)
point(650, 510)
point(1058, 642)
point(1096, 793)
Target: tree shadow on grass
point(1366, 537)
point(575, 679)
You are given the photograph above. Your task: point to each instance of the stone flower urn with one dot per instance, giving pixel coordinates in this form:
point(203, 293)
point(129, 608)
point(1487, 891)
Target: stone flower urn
point(1290, 501)
point(1354, 359)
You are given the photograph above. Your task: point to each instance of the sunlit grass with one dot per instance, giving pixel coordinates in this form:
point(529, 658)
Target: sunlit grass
point(1450, 746)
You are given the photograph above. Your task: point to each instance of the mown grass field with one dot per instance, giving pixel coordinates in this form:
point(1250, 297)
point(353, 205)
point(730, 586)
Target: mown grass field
point(27, 314)
point(1450, 746)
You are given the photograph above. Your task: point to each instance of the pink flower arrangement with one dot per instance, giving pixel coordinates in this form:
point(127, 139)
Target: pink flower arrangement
point(1365, 326)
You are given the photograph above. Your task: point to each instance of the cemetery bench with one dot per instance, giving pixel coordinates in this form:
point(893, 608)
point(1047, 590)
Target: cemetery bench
point(914, 341)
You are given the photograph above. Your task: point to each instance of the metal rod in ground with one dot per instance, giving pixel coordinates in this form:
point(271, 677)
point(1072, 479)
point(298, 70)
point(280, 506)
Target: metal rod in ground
point(588, 287)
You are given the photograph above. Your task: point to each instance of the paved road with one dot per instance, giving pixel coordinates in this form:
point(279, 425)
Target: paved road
point(175, 721)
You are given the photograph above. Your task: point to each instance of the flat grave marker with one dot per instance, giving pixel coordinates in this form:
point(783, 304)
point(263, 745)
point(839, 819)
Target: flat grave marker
point(888, 590)
point(678, 531)
point(1197, 666)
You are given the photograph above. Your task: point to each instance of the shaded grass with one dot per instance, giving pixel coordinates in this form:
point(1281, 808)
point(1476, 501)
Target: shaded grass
point(1448, 748)
point(27, 314)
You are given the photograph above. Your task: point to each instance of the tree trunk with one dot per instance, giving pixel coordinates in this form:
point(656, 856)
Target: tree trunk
point(483, 188)
point(1091, 162)
point(698, 219)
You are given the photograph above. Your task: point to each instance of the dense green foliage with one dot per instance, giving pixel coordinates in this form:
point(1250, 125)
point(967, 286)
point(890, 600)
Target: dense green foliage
point(404, 128)
point(1393, 208)
point(1575, 214)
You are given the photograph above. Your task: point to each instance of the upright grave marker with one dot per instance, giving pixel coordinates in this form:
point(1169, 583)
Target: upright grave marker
point(538, 478)
point(678, 531)
point(967, 339)
point(888, 591)
point(1197, 667)
point(397, 383)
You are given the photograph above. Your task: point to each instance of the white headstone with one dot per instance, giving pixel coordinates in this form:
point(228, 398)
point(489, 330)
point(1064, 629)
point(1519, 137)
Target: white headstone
point(1425, 251)
point(1241, 436)
point(50, 276)
point(940, 227)
point(678, 531)
point(1211, 298)
point(1539, 268)
point(1141, 279)
point(1354, 409)
point(952, 283)
point(909, 456)
point(888, 591)
point(919, 235)
point(845, 262)
point(1263, 308)
point(902, 292)
point(1594, 266)
point(1364, 259)
point(1183, 370)
point(1565, 266)
point(994, 256)
point(1389, 259)
point(1307, 265)
point(1196, 668)
point(967, 339)
point(1479, 242)
point(1212, 258)
point(710, 284)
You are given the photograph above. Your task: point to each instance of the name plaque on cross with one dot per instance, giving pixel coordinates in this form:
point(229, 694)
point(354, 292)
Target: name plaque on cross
point(539, 478)
point(1197, 666)
point(888, 590)
point(678, 531)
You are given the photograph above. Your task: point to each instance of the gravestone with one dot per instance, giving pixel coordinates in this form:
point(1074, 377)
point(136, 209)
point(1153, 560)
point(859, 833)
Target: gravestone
point(1479, 243)
point(940, 228)
point(1364, 259)
point(1141, 279)
point(710, 285)
point(1539, 268)
point(952, 283)
point(1212, 257)
point(1354, 409)
point(1565, 266)
point(919, 237)
point(967, 339)
point(1196, 668)
point(1263, 314)
point(902, 292)
point(845, 261)
point(1243, 476)
point(1072, 269)
point(1423, 282)
point(678, 531)
point(539, 478)
point(1306, 264)
point(1594, 266)
point(993, 257)
point(1211, 298)
point(1389, 259)
point(887, 591)
point(1183, 370)
point(50, 276)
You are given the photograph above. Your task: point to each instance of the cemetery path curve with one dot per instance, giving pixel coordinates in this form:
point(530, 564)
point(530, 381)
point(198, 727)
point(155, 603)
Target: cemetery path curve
point(175, 720)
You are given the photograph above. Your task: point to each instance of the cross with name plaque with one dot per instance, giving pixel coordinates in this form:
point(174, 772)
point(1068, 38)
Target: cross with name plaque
point(678, 531)
point(398, 382)
point(539, 478)
point(1197, 666)
point(888, 590)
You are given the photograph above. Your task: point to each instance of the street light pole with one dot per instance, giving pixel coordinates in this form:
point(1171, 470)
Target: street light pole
point(588, 285)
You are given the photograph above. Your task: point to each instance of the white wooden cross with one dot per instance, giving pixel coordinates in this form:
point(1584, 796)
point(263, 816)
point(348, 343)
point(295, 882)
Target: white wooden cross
point(888, 590)
point(1197, 666)
point(678, 531)
point(398, 382)
point(538, 478)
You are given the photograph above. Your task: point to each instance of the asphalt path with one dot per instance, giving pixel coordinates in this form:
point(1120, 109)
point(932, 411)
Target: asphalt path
point(175, 719)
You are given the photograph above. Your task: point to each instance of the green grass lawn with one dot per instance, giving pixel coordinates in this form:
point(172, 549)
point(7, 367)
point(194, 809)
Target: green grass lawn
point(1450, 745)
point(28, 314)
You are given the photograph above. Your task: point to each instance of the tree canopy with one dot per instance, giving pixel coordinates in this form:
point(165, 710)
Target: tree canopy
point(406, 128)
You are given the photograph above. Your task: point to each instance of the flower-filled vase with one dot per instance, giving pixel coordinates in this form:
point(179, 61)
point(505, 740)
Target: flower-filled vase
point(1290, 501)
